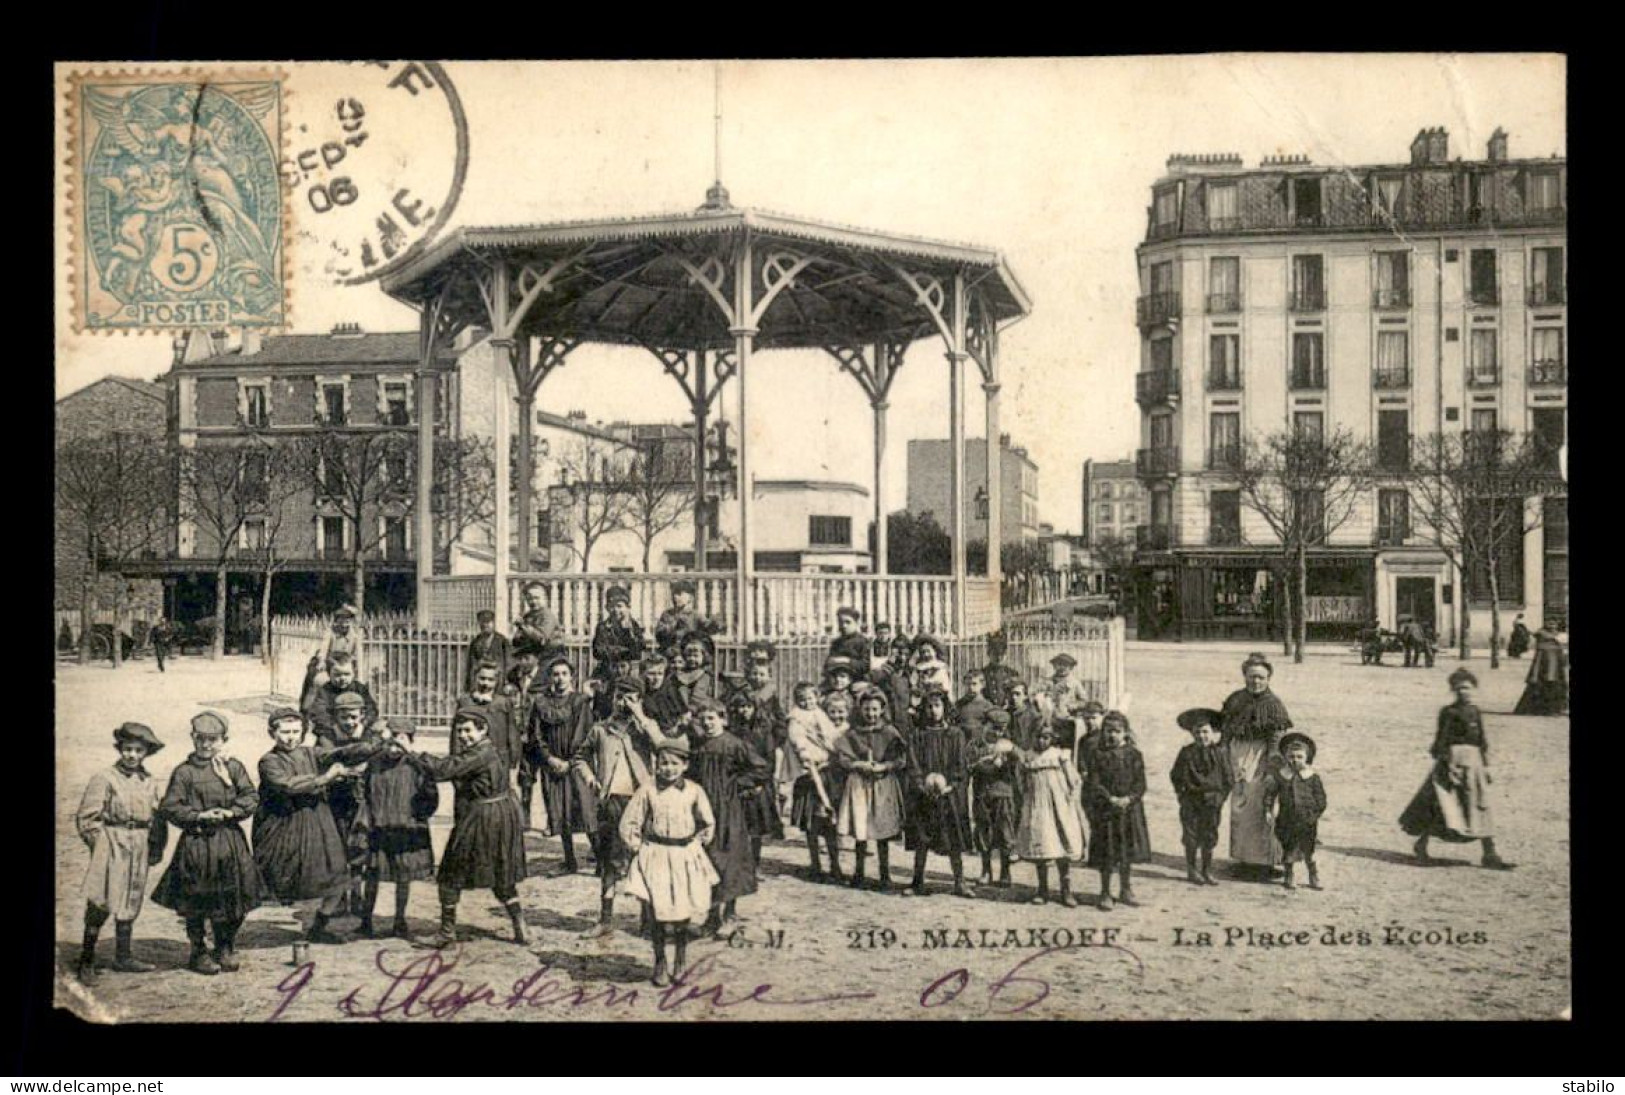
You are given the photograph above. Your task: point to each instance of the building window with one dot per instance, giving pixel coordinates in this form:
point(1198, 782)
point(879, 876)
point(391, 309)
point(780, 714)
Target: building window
point(330, 530)
point(1306, 203)
point(397, 472)
point(1547, 426)
point(394, 537)
point(1393, 517)
point(1484, 420)
point(1309, 425)
point(1224, 440)
point(1555, 588)
point(1103, 514)
point(1224, 518)
point(1308, 360)
point(255, 478)
point(1393, 359)
point(1546, 276)
point(829, 531)
point(333, 403)
point(1165, 209)
point(1162, 508)
point(1483, 368)
point(1224, 363)
point(1224, 284)
point(1162, 278)
point(1393, 440)
point(1162, 431)
point(1390, 189)
point(1162, 355)
point(1499, 521)
point(397, 403)
point(1393, 280)
point(1544, 195)
point(1482, 285)
point(257, 405)
point(254, 534)
point(1308, 283)
point(1309, 511)
point(1546, 360)
point(1241, 592)
point(330, 473)
point(1223, 212)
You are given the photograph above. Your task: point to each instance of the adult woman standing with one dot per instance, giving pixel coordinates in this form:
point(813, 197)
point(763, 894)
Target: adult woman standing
point(1546, 689)
point(1252, 723)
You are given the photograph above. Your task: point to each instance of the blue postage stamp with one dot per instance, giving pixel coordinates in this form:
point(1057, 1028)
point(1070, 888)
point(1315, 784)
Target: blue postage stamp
point(178, 217)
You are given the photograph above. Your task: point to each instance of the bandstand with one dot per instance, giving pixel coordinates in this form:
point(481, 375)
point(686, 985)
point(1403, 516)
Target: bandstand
point(703, 293)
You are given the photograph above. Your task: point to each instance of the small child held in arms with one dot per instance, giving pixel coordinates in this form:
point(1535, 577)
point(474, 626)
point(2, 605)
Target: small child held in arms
point(1300, 798)
point(1202, 777)
point(809, 742)
point(1115, 788)
point(1051, 830)
point(666, 826)
point(119, 822)
point(401, 798)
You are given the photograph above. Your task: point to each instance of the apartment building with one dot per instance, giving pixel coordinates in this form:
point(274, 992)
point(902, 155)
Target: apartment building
point(1115, 502)
point(1394, 300)
point(928, 475)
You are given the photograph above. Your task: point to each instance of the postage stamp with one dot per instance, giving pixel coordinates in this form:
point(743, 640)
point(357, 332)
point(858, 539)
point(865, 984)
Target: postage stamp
point(177, 213)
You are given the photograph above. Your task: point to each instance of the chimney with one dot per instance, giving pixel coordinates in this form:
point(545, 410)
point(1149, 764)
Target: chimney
point(1497, 150)
point(218, 340)
point(346, 330)
point(1431, 146)
point(252, 343)
point(178, 346)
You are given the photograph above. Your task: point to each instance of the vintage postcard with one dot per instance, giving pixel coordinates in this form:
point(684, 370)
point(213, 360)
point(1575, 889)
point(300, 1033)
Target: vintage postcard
point(959, 539)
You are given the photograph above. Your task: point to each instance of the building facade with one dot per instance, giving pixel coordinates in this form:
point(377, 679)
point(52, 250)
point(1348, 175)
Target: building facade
point(1115, 502)
point(1395, 301)
point(928, 475)
point(243, 395)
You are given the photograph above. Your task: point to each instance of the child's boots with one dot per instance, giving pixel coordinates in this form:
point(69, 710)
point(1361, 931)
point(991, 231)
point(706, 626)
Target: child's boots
point(1314, 875)
point(1125, 892)
point(516, 916)
point(1190, 867)
point(857, 867)
point(1106, 904)
point(125, 960)
point(225, 947)
point(1207, 868)
point(1067, 900)
point(1290, 883)
point(446, 935)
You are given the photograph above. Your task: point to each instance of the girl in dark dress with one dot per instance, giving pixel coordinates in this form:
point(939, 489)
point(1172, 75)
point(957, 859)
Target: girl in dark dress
point(1113, 792)
point(297, 847)
point(937, 807)
point(1452, 803)
point(212, 879)
point(1202, 778)
point(617, 645)
point(1299, 796)
point(871, 754)
point(487, 848)
point(727, 769)
point(560, 718)
point(761, 734)
point(401, 798)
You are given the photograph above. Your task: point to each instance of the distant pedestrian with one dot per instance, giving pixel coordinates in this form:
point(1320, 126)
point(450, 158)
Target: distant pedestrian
point(1546, 688)
point(1518, 644)
point(161, 634)
point(1298, 796)
point(1453, 803)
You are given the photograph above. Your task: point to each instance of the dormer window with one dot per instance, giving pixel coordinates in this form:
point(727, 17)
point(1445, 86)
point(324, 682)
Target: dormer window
point(255, 403)
point(1306, 202)
point(1165, 208)
point(1223, 209)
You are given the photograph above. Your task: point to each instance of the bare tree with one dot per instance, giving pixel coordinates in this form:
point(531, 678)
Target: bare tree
point(361, 475)
point(599, 501)
point(284, 478)
point(1115, 555)
point(659, 489)
point(464, 490)
point(220, 488)
point(119, 490)
point(1469, 491)
point(1305, 485)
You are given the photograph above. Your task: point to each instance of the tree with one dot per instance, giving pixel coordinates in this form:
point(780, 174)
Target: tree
point(916, 544)
point(284, 478)
point(659, 488)
point(119, 490)
point(220, 487)
point(1305, 485)
point(356, 475)
point(599, 501)
point(463, 495)
point(1469, 492)
point(1115, 555)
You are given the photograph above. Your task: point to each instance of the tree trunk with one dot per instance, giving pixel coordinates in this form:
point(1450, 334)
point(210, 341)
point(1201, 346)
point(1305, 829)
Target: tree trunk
point(1465, 646)
point(1287, 630)
point(648, 539)
point(360, 584)
point(1301, 581)
point(118, 632)
point(265, 615)
point(1495, 618)
point(218, 649)
point(87, 617)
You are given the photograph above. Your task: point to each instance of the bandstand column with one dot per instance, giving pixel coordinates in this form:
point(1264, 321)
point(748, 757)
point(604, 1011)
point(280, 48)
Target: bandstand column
point(744, 331)
point(425, 495)
point(879, 563)
point(701, 405)
point(501, 405)
point(995, 486)
point(526, 392)
point(956, 446)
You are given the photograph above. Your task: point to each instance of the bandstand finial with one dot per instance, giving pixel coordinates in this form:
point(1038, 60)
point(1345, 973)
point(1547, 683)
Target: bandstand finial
point(716, 196)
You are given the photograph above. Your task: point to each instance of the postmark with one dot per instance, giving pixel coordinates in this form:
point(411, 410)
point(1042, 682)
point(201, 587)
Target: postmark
point(374, 172)
point(176, 208)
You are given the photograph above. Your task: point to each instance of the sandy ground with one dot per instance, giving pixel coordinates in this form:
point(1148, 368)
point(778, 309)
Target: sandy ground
point(1386, 939)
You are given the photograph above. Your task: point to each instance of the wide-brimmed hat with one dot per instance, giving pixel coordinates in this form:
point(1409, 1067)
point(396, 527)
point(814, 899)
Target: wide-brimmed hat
point(344, 610)
point(484, 614)
point(838, 663)
point(138, 732)
point(467, 713)
point(1194, 717)
point(1064, 661)
point(624, 686)
point(207, 722)
point(1297, 738)
point(848, 610)
point(928, 648)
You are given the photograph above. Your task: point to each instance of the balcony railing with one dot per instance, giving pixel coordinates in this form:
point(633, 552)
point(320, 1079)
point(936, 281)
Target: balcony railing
point(1485, 296)
point(1223, 303)
point(1552, 215)
point(1391, 535)
point(332, 552)
point(1391, 298)
point(1548, 374)
point(1410, 212)
point(1541, 295)
point(1224, 457)
point(1306, 379)
point(1157, 386)
point(1224, 380)
point(1153, 537)
point(1224, 536)
point(1391, 377)
point(1310, 299)
point(1483, 377)
point(1309, 220)
point(1163, 460)
point(1155, 309)
point(1224, 224)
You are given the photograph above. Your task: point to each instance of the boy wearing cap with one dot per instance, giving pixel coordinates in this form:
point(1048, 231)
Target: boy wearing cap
point(349, 726)
point(1064, 694)
point(211, 879)
point(838, 676)
point(850, 642)
point(490, 645)
point(119, 822)
point(1202, 779)
point(560, 719)
point(501, 721)
point(322, 710)
point(679, 621)
point(995, 793)
point(972, 708)
point(613, 762)
point(617, 644)
point(1300, 797)
point(341, 638)
point(538, 625)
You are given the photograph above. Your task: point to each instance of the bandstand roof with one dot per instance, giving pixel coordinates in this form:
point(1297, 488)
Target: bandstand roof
point(631, 281)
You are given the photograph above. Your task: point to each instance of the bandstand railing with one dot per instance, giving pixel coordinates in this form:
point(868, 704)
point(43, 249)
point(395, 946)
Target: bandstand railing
point(578, 599)
point(805, 604)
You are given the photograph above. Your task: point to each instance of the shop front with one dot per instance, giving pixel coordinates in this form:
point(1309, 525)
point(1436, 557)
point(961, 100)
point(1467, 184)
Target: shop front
point(1243, 596)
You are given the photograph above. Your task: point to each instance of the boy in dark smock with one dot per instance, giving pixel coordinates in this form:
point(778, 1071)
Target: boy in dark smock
point(1299, 798)
point(658, 694)
point(322, 710)
point(490, 645)
point(763, 736)
point(938, 783)
point(1202, 779)
point(1113, 794)
point(971, 710)
point(996, 795)
point(727, 769)
point(850, 642)
point(617, 646)
point(344, 794)
point(679, 621)
point(560, 719)
point(401, 798)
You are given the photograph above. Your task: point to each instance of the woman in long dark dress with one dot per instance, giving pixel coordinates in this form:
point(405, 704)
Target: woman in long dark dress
point(1252, 722)
point(487, 847)
point(297, 846)
point(1453, 802)
point(212, 879)
point(727, 769)
point(760, 732)
point(937, 811)
point(1546, 689)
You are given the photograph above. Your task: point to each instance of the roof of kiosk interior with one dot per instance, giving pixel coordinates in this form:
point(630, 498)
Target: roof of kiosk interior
point(632, 280)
